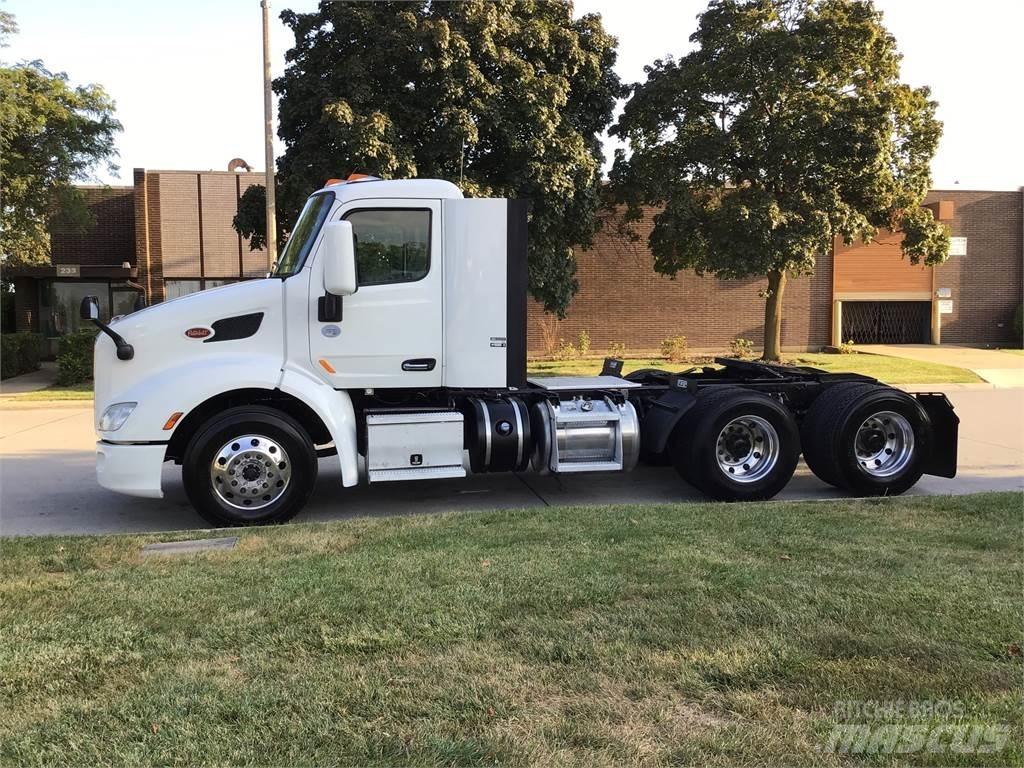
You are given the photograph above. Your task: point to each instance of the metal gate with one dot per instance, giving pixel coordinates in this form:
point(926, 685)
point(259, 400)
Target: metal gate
point(887, 322)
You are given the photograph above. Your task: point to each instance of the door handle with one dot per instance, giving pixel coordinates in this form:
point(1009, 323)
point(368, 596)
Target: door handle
point(419, 364)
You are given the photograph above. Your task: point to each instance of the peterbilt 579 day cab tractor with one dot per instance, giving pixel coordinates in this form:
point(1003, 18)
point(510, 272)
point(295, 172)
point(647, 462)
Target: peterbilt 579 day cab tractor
point(392, 335)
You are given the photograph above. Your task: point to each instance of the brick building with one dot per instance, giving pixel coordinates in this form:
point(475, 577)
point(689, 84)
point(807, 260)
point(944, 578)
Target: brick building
point(864, 292)
point(170, 234)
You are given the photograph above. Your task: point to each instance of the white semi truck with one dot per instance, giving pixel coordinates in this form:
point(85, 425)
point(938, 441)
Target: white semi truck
point(392, 335)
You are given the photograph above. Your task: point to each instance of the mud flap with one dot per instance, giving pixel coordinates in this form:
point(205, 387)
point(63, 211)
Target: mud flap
point(945, 428)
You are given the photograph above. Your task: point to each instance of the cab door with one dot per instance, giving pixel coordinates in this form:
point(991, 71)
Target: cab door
point(389, 334)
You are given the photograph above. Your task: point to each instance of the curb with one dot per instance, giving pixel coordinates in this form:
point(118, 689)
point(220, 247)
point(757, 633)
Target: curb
point(979, 385)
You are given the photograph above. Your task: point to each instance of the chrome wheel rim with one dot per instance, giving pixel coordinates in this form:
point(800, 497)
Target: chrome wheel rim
point(747, 449)
point(250, 472)
point(884, 444)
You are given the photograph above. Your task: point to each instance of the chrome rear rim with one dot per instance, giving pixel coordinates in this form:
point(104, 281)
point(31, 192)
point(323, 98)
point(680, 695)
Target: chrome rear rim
point(250, 472)
point(884, 444)
point(747, 449)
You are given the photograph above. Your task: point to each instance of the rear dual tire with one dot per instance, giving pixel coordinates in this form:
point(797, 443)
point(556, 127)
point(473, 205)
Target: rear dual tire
point(864, 438)
point(867, 439)
point(736, 445)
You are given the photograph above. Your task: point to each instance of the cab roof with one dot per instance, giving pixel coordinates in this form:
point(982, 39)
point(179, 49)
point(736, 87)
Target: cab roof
point(358, 187)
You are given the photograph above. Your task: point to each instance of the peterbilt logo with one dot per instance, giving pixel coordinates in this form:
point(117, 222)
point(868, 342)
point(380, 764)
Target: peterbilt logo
point(198, 333)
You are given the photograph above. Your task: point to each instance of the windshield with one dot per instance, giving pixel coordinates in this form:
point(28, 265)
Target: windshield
point(302, 237)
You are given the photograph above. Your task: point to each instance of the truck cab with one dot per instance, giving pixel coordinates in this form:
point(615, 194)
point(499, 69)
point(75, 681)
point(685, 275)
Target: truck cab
point(391, 335)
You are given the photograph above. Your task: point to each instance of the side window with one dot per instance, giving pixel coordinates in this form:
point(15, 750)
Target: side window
point(392, 245)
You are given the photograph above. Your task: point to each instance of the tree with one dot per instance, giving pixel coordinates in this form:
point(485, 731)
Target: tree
point(506, 99)
point(251, 219)
point(786, 127)
point(51, 135)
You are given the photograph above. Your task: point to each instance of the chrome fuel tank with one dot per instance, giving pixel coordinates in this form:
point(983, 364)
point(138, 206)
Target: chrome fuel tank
point(584, 435)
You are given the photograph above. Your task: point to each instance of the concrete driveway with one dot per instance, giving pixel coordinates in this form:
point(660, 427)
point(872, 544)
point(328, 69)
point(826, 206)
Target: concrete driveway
point(48, 485)
point(1001, 369)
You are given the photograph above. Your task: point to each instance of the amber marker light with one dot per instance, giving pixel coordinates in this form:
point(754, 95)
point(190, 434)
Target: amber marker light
point(169, 424)
point(326, 366)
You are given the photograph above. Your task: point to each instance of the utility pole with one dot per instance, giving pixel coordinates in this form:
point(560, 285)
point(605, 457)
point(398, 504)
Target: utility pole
point(268, 138)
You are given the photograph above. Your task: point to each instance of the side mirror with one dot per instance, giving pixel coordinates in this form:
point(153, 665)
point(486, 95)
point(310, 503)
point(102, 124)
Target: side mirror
point(339, 258)
point(90, 308)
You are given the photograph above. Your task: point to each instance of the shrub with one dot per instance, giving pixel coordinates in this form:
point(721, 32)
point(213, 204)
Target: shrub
point(549, 332)
point(566, 350)
point(742, 348)
point(846, 348)
point(583, 343)
point(617, 349)
point(674, 349)
point(20, 353)
point(74, 357)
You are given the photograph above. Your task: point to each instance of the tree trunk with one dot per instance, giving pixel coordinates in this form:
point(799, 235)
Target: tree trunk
point(773, 315)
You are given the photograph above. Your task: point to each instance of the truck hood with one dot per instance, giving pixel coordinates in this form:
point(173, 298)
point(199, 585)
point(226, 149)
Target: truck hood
point(189, 334)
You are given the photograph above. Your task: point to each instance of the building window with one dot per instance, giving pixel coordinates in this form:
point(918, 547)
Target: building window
point(61, 303)
point(392, 245)
point(123, 300)
point(174, 289)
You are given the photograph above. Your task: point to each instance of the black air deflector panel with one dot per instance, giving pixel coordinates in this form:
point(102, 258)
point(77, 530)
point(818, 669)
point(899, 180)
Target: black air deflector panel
point(234, 328)
point(515, 296)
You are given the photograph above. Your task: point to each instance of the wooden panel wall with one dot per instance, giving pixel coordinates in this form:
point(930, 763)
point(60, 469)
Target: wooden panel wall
point(878, 267)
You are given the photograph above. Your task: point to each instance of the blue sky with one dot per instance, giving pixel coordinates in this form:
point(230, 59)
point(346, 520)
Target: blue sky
point(186, 74)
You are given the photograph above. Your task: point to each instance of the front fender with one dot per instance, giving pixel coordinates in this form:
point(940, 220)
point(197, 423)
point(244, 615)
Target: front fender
point(334, 407)
point(182, 388)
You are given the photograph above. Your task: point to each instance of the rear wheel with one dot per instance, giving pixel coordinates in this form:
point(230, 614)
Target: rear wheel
point(736, 445)
point(250, 465)
point(868, 439)
point(813, 430)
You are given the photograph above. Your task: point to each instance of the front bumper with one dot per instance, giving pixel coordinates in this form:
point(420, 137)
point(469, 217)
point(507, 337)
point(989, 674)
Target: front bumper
point(130, 469)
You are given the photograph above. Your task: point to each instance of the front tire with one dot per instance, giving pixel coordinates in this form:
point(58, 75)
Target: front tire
point(736, 445)
point(250, 465)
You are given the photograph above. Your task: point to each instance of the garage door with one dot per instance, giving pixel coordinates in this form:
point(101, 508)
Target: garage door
point(887, 322)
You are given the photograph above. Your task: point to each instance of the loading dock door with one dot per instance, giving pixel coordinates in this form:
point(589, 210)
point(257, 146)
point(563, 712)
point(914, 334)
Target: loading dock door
point(886, 322)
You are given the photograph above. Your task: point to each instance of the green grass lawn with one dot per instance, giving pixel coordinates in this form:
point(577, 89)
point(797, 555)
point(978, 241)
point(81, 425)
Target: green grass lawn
point(83, 391)
point(1013, 351)
point(891, 370)
point(701, 634)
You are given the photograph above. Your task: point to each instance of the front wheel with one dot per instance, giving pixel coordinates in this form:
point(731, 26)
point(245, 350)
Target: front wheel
point(250, 465)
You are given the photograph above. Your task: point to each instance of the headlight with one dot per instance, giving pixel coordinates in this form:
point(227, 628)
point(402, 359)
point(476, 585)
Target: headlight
point(115, 416)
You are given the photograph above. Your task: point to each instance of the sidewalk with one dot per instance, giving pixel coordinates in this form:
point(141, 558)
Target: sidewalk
point(45, 377)
point(1002, 369)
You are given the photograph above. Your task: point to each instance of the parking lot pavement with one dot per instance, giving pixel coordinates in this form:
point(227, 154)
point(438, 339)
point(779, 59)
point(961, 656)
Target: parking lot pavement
point(48, 483)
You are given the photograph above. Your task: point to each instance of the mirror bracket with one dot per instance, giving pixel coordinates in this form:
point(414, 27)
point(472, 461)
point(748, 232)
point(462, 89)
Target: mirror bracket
point(328, 308)
point(90, 310)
